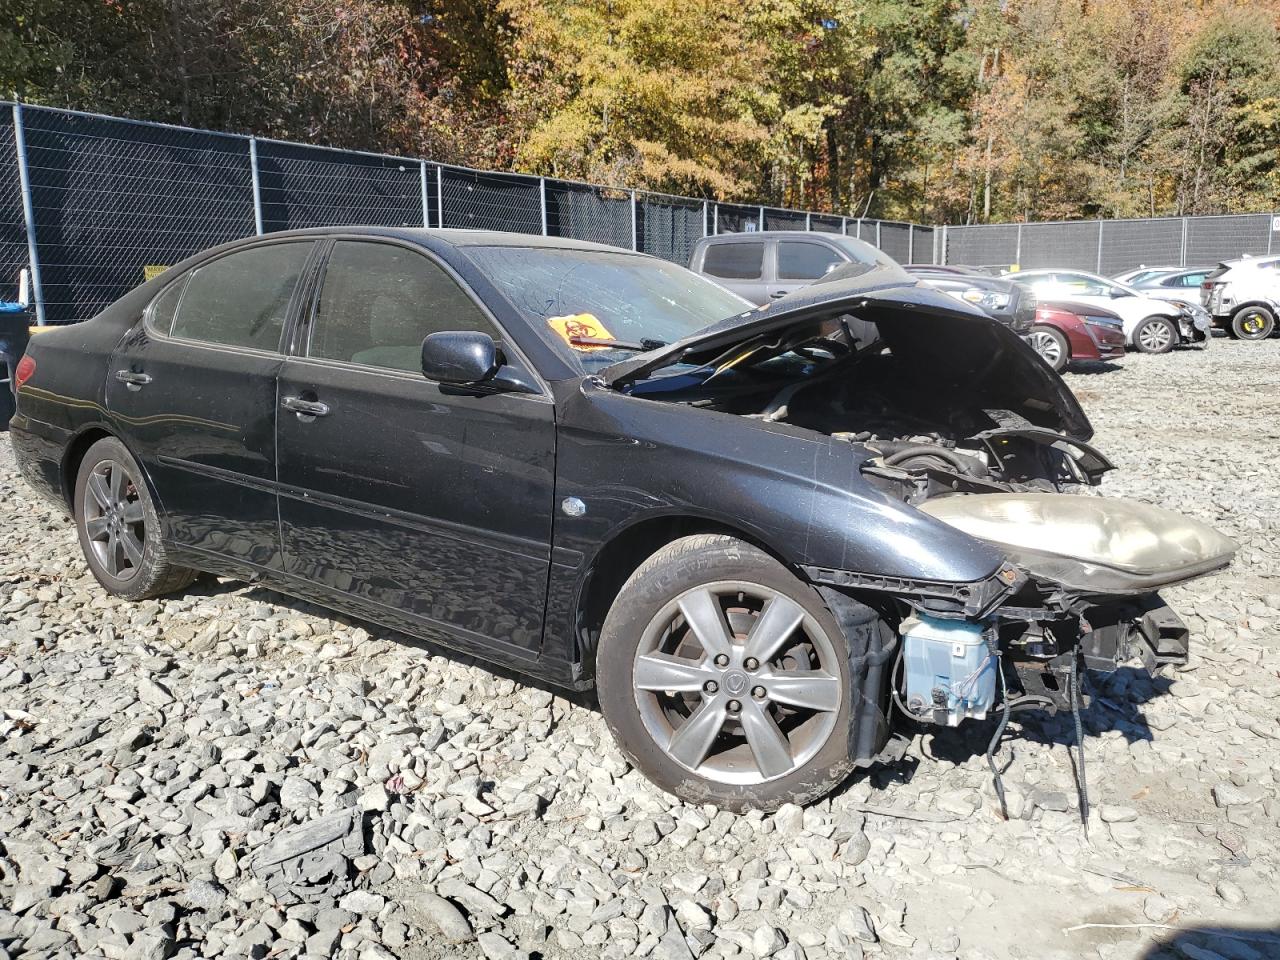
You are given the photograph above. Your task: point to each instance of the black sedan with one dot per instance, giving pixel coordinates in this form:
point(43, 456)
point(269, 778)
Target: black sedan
point(751, 530)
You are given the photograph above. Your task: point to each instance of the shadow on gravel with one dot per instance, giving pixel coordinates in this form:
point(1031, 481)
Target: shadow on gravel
point(1211, 943)
point(1113, 701)
point(210, 586)
point(1091, 367)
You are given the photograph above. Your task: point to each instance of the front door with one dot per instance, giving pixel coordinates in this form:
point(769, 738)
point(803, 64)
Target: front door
point(407, 501)
point(192, 390)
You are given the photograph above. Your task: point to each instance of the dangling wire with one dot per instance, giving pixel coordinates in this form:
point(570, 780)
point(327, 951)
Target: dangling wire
point(994, 745)
point(1081, 782)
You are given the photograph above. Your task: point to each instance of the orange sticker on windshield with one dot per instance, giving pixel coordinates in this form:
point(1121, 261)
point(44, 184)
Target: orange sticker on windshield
point(573, 329)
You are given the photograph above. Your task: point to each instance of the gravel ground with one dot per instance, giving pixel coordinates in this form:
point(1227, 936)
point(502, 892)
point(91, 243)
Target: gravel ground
point(233, 773)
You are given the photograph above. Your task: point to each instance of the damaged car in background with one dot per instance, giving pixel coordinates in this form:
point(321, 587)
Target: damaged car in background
point(773, 540)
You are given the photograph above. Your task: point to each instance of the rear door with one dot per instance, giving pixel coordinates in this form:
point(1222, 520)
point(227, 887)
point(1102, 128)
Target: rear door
point(738, 265)
point(411, 502)
point(798, 263)
point(192, 391)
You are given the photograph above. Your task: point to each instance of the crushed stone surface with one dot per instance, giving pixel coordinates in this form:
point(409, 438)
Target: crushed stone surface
point(232, 773)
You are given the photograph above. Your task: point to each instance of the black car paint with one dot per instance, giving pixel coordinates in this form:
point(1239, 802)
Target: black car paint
point(434, 509)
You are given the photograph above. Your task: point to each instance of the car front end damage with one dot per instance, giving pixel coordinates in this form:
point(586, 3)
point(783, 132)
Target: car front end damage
point(951, 417)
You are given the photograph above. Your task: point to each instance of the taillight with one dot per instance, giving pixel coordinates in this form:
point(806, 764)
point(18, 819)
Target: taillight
point(26, 367)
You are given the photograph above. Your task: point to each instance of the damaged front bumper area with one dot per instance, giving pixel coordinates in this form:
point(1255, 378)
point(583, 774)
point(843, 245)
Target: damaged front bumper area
point(1077, 591)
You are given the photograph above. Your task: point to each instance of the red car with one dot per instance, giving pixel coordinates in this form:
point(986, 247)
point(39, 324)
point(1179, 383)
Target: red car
point(1063, 332)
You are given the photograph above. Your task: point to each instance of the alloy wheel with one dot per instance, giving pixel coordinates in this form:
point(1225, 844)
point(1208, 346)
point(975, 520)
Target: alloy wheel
point(737, 683)
point(1047, 346)
point(1155, 337)
point(114, 519)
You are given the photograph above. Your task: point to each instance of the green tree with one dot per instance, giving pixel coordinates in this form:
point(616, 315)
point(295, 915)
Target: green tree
point(660, 93)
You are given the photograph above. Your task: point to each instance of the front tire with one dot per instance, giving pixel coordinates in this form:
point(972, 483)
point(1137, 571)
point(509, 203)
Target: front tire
point(1155, 335)
point(725, 679)
point(1052, 346)
point(119, 528)
point(1253, 323)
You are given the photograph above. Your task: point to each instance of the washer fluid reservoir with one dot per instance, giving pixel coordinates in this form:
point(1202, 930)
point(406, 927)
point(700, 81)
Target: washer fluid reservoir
point(950, 670)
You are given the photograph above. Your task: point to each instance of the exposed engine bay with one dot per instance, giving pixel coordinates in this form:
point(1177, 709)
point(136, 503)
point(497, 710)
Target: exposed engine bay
point(959, 419)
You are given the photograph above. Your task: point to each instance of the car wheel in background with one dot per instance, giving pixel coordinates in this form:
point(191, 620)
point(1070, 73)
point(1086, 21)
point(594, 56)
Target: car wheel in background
point(725, 679)
point(119, 528)
point(1051, 345)
point(1253, 323)
point(1155, 335)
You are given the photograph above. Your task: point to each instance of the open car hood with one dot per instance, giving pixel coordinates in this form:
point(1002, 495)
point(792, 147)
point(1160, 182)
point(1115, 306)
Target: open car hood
point(941, 336)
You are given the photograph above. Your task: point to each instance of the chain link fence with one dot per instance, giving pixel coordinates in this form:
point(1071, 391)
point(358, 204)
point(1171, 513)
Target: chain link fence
point(1112, 246)
point(91, 205)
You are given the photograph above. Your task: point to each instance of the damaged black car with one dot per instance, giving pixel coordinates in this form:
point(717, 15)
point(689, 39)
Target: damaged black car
point(770, 538)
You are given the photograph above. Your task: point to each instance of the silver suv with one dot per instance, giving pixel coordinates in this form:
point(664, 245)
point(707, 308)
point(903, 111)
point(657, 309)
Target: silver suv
point(769, 264)
point(1244, 296)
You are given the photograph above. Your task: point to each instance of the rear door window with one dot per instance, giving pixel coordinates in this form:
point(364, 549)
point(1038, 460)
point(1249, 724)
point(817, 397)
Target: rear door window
point(379, 302)
point(801, 260)
point(242, 299)
point(734, 261)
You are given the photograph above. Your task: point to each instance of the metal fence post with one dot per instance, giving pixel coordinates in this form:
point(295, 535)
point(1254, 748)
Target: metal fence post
point(635, 243)
point(1098, 268)
point(715, 218)
point(942, 260)
point(257, 185)
point(844, 226)
point(704, 218)
point(878, 225)
point(911, 243)
point(808, 220)
point(1272, 232)
point(28, 211)
point(542, 202)
point(440, 196)
point(1017, 248)
point(422, 184)
point(761, 217)
point(1182, 256)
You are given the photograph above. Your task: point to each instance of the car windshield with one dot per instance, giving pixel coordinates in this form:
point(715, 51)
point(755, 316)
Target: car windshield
point(570, 294)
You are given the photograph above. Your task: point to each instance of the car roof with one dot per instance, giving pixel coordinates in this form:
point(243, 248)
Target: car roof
point(451, 235)
point(775, 234)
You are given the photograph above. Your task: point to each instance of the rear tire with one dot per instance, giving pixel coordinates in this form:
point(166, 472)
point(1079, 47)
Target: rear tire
point(708, 707)
point(119, 528)
point(1155, 335)
point(1052, 346)
point(1253, 323)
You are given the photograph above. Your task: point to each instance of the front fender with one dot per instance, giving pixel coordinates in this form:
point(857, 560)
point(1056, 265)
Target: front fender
point(798, 493)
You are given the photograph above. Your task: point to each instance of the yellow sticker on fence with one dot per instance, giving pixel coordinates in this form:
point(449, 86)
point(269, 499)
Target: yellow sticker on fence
point(580, 325)
point(152, 270)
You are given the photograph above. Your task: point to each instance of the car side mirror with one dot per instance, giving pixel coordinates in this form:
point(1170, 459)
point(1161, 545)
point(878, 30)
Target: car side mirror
point(460, 357)
point(1117, 293)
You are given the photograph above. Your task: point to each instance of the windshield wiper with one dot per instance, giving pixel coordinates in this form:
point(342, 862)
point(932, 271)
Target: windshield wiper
point(639, 346)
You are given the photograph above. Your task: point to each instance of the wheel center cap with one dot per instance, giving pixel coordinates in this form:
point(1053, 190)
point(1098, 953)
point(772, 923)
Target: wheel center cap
point(735, 682)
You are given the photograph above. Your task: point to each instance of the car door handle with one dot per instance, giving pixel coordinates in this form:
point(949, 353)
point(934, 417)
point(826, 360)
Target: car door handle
point(778, 294)
point(133, 379)
point(305, 408)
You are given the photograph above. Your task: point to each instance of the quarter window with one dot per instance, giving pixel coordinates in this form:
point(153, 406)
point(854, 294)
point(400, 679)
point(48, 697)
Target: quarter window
point(242, 299)
point(379, 302)
point(804, 261)
point(165, 306)
point(734, 261)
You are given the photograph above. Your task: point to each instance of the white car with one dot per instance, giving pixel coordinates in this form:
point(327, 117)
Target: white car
point(1244, 296)
point(1151, 325)
point(1141, 274)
